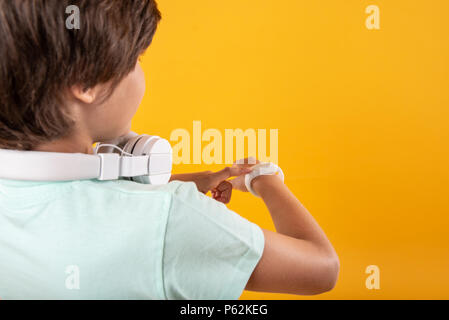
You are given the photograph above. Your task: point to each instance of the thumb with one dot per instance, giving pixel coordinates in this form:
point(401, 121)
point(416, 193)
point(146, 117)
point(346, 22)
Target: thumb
point(229, 172)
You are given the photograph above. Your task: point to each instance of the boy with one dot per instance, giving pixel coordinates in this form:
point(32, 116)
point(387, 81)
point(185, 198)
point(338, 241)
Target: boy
point(62, 90)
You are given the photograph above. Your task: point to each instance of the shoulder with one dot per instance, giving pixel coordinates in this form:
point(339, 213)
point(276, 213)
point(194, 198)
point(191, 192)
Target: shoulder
point(134, 188)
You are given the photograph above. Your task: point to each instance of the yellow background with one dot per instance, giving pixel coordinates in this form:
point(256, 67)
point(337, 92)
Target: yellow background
point(363, 119)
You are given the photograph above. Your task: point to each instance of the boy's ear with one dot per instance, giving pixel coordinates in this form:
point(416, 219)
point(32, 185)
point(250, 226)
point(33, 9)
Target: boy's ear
point(86, 95)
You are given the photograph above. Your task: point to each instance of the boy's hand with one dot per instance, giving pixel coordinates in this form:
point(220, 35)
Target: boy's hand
point(239, 182)
point(215, 181)
point(222, 192)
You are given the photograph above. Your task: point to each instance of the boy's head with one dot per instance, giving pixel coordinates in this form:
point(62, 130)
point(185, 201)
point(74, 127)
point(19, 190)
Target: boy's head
point(56, 82)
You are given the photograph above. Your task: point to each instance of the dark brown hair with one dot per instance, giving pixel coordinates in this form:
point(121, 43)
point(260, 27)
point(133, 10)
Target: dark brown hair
point(40, 58)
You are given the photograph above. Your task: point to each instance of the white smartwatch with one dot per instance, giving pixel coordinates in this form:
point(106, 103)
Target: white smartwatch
point(262, 168)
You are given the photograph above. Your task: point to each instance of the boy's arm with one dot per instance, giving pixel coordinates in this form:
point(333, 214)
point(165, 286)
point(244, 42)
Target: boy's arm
point(188, 176)
point(213, 181)
point(298, 258)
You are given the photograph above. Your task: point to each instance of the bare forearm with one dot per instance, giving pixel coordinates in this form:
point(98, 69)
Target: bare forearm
point(183, 177)
point(290, 217)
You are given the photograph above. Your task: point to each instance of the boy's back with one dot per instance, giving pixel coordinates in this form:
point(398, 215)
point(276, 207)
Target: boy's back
point(65, 86)
point(121, 240)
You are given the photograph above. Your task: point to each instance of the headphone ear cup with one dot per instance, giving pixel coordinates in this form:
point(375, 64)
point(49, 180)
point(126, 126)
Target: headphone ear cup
point(161, 158)
point(120, 142)
point(131, 147)
point(131, 143)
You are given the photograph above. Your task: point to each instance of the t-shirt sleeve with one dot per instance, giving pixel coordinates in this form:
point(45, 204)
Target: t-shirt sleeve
point(210, 251)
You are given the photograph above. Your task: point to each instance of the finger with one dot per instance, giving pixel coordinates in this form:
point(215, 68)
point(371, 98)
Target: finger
point(225, 200)
point(221, 200)
point(224, 185)
point(219, 197)
point(223, 192)
point(247, 161)
point(226, 195)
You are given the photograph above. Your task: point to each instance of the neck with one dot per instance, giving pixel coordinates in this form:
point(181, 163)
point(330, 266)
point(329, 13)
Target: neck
point(77, 143)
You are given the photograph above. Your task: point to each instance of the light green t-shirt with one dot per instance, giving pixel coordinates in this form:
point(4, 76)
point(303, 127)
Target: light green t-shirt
point(94, 239)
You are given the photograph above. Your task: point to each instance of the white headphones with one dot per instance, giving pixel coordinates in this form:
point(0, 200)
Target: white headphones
point(141, 158)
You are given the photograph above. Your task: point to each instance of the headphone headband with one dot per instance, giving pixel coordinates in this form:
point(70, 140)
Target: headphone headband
point(147, 159)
